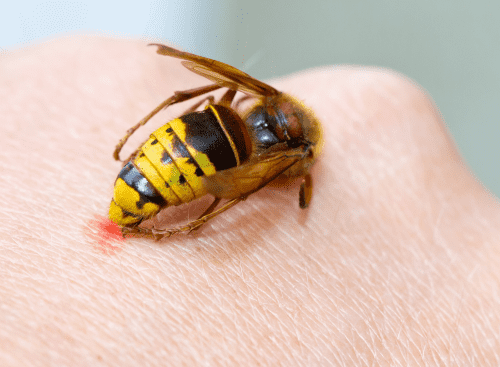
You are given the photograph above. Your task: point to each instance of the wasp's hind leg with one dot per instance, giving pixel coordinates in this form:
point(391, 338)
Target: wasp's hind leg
point(195, 224)
point(209, 210)
point(176, 98)
point(191, 226)
point(135, 231)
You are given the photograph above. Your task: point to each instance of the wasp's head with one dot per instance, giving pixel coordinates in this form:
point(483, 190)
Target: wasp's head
point(295, 123)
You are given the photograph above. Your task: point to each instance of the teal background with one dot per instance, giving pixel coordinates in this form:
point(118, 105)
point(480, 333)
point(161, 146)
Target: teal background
point(449, 47)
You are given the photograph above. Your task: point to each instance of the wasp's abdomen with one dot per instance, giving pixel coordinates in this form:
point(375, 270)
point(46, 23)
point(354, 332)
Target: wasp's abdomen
point(174, 160)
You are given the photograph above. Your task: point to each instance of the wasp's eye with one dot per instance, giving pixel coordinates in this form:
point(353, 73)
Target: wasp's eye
point(292, 120)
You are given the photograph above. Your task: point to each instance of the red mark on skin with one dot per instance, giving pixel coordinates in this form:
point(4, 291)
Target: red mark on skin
point(105, 234)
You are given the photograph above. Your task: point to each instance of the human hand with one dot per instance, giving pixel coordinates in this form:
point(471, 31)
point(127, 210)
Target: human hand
point(395, 262)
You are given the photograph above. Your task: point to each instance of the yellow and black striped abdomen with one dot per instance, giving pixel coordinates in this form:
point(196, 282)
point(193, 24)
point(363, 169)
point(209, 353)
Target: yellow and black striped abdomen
point(169, 168)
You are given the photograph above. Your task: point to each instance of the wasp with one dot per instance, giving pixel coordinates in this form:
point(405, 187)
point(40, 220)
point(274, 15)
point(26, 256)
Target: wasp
point(217, 151)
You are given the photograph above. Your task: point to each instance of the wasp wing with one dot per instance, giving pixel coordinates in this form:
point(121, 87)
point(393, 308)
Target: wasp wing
point(250, 177)
point(232, 81)
point(223, 74)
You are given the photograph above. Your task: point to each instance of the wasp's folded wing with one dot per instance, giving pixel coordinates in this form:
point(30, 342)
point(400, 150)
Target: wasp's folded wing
point(250, 177)
point(223, 74)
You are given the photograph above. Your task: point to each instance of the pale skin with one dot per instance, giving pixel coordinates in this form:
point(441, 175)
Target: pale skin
point(394, 263)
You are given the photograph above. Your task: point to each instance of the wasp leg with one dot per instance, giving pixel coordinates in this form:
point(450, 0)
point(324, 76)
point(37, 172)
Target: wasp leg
point(176, 98)
point(241, 100)
point(159, 234)
point(134, 230)
point(132, 156)
point(209, 210)
point(210, 100)
point(198, 222)
point(305, 192)
point(228, 98)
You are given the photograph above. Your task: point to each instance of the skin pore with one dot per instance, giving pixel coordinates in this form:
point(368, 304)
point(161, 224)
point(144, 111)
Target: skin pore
point(395, 262)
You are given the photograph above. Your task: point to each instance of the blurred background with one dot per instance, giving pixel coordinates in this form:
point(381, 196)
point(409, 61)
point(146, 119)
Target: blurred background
point(450, 47)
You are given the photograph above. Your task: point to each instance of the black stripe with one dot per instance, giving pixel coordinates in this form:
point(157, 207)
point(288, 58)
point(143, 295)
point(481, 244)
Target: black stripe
point(180, 150)
point(205, 135)
point(135, 179)
point(128, 214)
point(165, 158)
point(236, 129)
point(199, 172)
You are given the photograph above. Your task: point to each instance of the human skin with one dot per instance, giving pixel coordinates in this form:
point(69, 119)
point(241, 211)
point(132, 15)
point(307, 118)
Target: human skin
point(395, 262)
